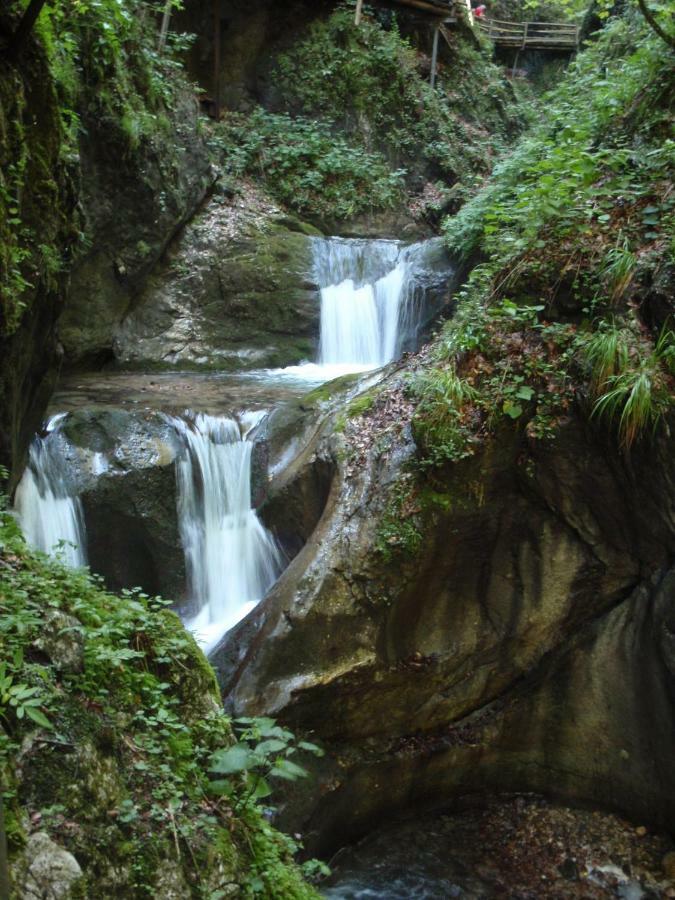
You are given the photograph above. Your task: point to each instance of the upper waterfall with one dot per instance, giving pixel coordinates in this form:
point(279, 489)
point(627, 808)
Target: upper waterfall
point(50, 514)
point(232, 560)
point(365, 291)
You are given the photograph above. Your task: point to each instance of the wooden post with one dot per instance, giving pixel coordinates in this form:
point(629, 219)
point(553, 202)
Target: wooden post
point(434, 57)
point(359, 12)
point(524, 36)
point(216, 59)
point(25, 27)
point(164, 30)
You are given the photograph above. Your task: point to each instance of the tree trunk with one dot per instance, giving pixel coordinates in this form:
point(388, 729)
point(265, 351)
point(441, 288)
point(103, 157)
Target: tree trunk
point(25, 27)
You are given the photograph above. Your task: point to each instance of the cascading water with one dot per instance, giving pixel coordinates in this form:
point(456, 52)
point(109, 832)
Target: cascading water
point(232, 560)
point(50, 514)
point(365, 291)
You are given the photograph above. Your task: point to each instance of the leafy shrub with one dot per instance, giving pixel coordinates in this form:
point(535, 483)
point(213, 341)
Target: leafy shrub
point(369, 82)
point(306, 166)
point(141, 720)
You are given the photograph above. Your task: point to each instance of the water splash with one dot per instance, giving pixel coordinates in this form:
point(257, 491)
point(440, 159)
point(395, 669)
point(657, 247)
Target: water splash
point(232, 560)
point(49, 511)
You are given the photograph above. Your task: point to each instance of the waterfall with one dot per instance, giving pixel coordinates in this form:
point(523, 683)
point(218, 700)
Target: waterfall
point(50, 514)
point(231, 558)
point(364, 297)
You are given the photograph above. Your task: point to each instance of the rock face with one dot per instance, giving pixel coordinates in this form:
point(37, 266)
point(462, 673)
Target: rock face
point(235, 293)
point(39, 187)
point(505, 624)
point(134, 203)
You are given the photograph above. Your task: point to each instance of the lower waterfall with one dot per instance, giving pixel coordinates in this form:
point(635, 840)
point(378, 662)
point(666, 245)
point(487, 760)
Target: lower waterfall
point(50, 514)
point(231, 558)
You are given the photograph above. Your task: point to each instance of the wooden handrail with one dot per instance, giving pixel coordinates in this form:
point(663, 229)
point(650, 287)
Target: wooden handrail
point(530, 34)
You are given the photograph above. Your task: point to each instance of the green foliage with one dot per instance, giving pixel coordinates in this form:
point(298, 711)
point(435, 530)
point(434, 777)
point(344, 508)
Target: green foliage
point(19, 699)
point(581, 168)
point(440, 423)
point(572, 226)
point(121, 745)
point(607, 353)
point(368, 81)
point(362, 125)
point(306, 166)
point(629, 379)
point(89, 61)
point(617, 270)
point(263, 752)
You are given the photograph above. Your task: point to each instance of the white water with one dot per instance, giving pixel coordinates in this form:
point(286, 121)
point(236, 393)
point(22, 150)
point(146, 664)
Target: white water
point(364, 294)
point(49, 513)
point(232, 560)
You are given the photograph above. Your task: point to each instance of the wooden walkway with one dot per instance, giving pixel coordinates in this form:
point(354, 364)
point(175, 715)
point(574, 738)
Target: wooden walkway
point(530, 35)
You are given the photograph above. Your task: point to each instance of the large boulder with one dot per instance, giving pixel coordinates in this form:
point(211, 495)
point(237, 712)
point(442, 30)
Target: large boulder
point(123, 464)
point(467, 632)
point(235, 292)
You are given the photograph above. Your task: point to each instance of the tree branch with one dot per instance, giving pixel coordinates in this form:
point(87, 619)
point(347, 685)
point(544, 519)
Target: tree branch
point(651, 19)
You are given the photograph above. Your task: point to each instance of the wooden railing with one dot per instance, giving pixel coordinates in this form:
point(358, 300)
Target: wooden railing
point(533, 35)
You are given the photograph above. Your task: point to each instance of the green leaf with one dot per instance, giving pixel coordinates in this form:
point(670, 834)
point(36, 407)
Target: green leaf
point(236, 759)
point(311, 748)
point(274, 745)
point(259, 786)
point(512, 409)
point(221, 788)
point(38, 717)
point(288, 770)
point(525, 392)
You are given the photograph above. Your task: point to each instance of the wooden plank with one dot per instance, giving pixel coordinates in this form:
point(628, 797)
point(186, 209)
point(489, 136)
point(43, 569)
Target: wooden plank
point(164, 30)
point(434, 58)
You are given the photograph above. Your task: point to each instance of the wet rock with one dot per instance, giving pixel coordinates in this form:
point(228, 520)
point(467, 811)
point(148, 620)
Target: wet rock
point(484, 653)
point(51, 871)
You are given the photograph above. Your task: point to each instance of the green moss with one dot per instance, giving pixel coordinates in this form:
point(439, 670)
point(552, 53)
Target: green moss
point(399, 533)
point(361, 405)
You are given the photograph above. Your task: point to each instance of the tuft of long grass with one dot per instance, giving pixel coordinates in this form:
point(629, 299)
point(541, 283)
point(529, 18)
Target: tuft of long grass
point(607, 354)
point(634, 388)
point(632, 399)
point(618, 270)
point(443, 387)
